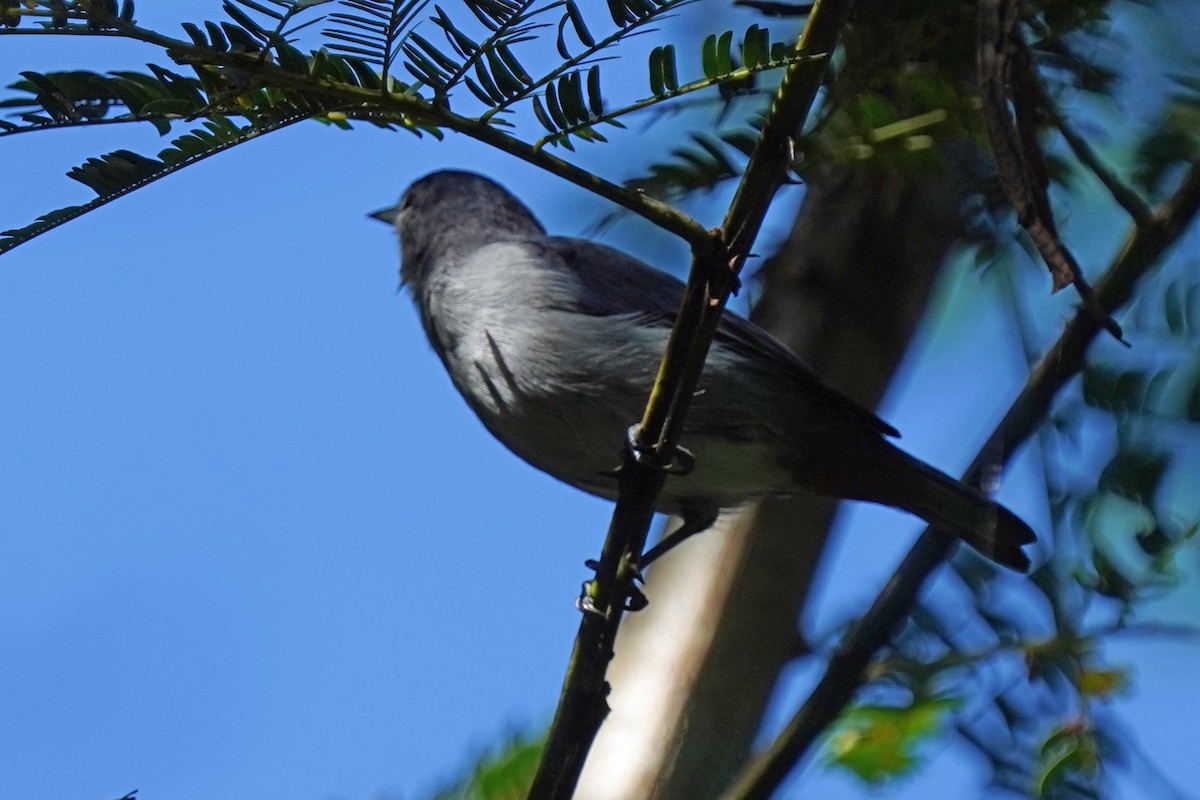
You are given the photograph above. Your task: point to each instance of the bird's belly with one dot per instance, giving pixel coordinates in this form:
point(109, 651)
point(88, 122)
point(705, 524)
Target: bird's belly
point(582, 446)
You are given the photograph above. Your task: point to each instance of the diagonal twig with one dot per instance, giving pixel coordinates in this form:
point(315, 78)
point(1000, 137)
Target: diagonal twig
point(715, 265)
point(1133, 203)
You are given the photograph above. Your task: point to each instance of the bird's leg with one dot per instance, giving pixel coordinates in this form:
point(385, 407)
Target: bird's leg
point(681, 463)
point(693, 523)
point(631, 570)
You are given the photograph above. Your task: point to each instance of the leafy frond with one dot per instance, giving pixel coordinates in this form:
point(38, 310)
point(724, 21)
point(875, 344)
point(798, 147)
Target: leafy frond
point(373, 30)
point(164, 97)
point(249, 66)
point(709, 160)
point(258, 27)
point(66, 15)
point(568, 112)
point(488, 68)
point(77, 97)
point(123, 171)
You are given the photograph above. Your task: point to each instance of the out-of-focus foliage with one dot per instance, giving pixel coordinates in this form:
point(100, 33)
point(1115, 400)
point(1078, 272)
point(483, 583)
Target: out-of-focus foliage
point(903, 91)
point(1018, 668)
point(1175, 139)
point(503, 775)
point(1027, 658)
point(877, 742)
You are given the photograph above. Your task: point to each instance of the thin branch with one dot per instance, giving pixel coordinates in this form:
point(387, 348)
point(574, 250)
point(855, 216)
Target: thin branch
point(1133, 203)
point(715, 265)
point(1143, 246)
point(88, 123)
point(73, 31)
point(1063, 643)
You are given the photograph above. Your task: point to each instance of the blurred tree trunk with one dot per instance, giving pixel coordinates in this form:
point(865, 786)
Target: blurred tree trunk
point(694, 672)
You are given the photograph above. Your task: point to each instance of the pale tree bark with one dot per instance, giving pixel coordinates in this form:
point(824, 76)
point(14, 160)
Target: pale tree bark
point(694, 672)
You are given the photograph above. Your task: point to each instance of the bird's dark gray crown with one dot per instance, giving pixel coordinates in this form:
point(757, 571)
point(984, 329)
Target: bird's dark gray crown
point(480, 201)
point(453, 211)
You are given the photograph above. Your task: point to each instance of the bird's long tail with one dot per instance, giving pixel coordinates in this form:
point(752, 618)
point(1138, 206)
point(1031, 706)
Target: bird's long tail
point(954, 507)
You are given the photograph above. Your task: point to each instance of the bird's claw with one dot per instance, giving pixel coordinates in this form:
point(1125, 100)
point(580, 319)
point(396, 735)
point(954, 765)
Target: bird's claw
point(634, 600)
point(585, 603)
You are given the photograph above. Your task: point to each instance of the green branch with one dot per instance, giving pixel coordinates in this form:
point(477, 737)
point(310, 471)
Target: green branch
point(715, 264)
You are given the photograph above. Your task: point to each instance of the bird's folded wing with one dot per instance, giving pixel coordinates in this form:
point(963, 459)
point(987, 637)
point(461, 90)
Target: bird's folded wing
point(615, 283)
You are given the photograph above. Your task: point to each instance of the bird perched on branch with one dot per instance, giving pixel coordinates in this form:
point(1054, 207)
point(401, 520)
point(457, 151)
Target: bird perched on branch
point(555, 343)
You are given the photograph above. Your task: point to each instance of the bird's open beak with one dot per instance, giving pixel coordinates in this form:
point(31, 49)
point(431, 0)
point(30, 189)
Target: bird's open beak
point(386, 215)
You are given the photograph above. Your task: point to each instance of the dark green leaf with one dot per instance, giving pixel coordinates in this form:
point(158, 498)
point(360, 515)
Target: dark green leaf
point(570, 96)
point(581, 29)
point(553, 107)
point(291, 59)
point(487, 84)
point(505, 80)
point(657, 88)
point(240, 40)
point(539, 111)
point(478, 91)
point(216, 37)
point(708, 56)
point(245, 20)
point(724, 54)
point(595, 101)
point(670, 75)
point(445, 62)
point(194, 34)
point(513, 65)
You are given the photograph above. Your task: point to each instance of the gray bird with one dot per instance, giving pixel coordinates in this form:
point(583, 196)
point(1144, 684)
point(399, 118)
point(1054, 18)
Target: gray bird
point(555, 342)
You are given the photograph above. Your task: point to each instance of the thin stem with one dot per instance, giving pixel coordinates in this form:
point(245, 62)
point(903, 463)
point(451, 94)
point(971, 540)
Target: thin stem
point(715, 263)
point(1126, 197)
point(89, 123)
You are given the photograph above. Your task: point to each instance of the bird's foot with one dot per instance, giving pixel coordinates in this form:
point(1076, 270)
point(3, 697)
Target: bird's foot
point(681, 463)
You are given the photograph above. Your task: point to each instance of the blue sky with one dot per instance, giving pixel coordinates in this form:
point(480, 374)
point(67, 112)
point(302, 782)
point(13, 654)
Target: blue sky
point(256, 546)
